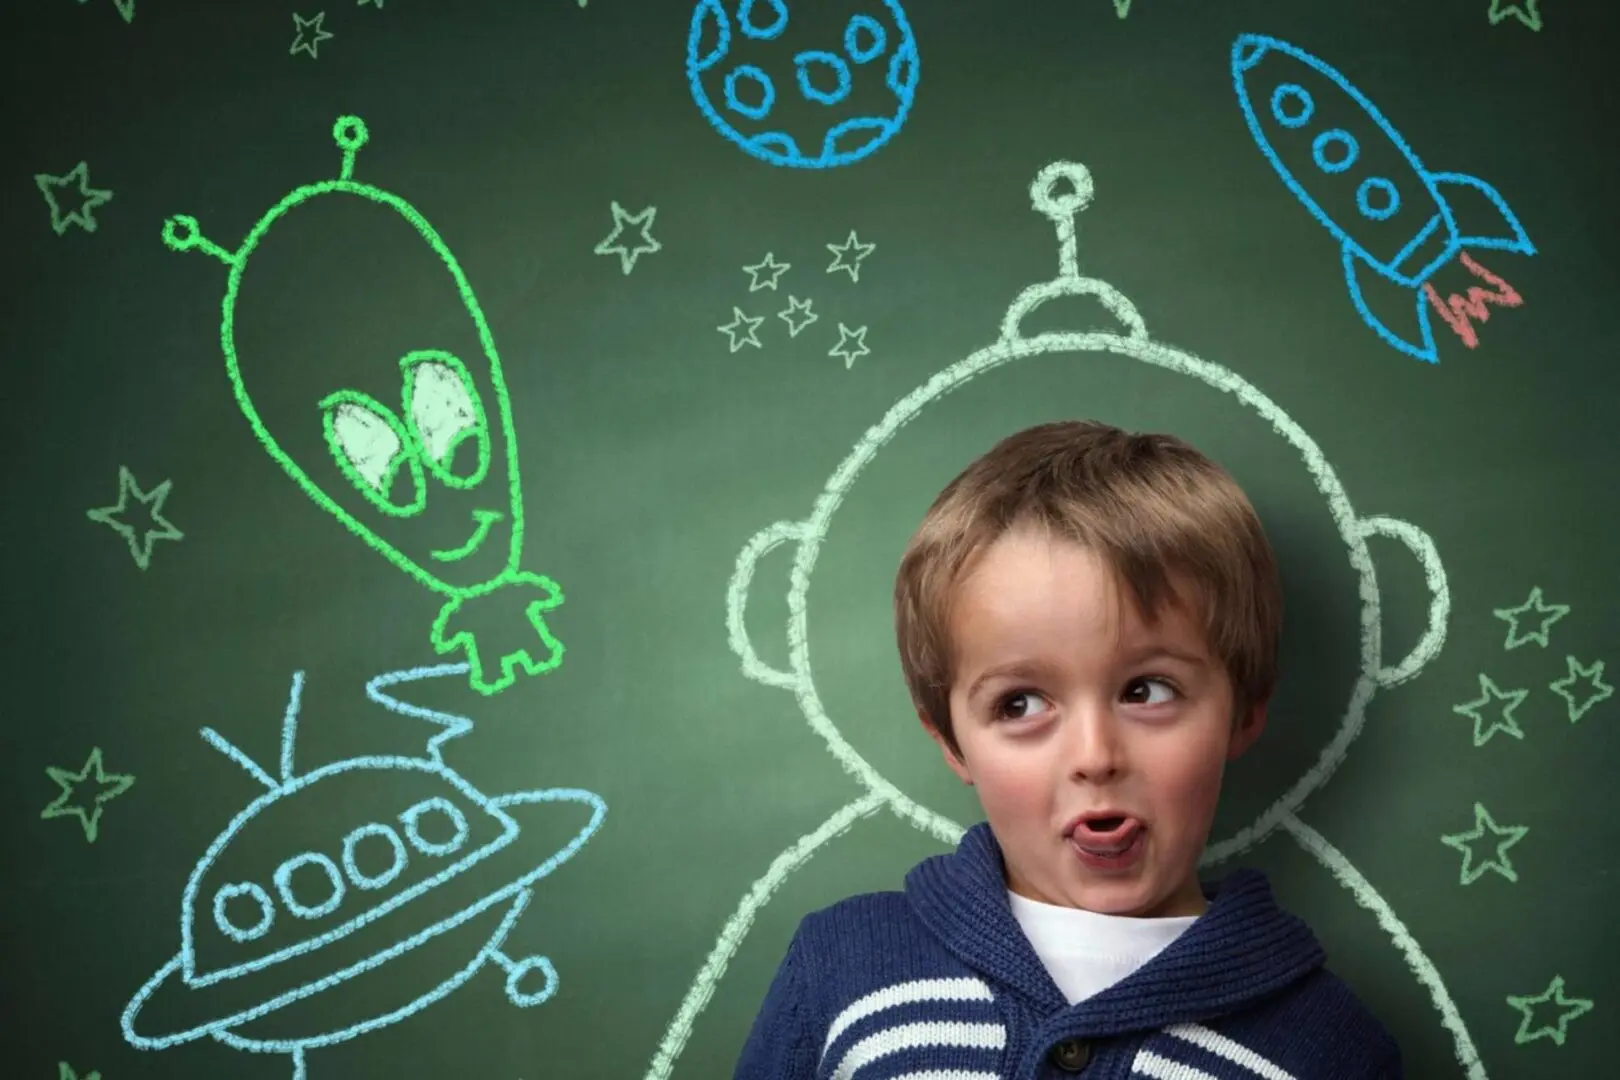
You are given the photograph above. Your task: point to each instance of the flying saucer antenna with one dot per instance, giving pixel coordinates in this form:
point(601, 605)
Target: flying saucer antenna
point(1060, 191)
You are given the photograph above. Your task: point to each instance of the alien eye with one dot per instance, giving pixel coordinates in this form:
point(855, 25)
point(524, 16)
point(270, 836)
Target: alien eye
point(442, 404)
point(370, 445)
point(368, 442)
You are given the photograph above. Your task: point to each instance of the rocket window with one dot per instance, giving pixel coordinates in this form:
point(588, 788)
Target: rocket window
point(1377, 198)
point(1335, 151)
point(1292, 105)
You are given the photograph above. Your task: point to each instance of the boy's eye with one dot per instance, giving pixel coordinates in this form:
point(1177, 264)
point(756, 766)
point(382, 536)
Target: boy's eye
point(1141, 691)
point(1019, 705)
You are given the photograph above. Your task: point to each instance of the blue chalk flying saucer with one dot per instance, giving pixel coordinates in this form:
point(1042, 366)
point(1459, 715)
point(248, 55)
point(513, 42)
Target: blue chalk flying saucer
point(433, 859)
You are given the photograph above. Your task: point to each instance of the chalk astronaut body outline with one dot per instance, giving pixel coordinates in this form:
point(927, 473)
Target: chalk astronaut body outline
point(1011, 345)
point(516, 893)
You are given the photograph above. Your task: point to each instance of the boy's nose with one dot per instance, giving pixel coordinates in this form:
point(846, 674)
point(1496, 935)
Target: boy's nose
point(1093, 749)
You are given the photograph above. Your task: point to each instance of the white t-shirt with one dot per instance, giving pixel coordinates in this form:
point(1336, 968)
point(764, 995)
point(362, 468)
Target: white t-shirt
point(1086, 952)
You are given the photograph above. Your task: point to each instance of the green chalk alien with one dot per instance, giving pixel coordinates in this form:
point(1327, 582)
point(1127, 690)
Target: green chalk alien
point(395, 459)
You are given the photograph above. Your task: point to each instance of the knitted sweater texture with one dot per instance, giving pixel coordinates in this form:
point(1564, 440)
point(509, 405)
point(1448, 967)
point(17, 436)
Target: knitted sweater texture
point(939, 983)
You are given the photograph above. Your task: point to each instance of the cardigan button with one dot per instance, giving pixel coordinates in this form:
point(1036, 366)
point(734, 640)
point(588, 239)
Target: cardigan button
point(1071, 1055)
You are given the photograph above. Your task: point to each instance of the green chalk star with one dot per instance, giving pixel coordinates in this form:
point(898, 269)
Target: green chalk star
point(1554, 995)
point(140, 540)
point(1525, 11)
point(112, 785)
point(1549, 614)
point(1489, 692)
point(126, 9)
point(64, 1071)
point(317, 34)
point(88, 198)
point(1564, 688)
point(1504, 838)
point(629, 253)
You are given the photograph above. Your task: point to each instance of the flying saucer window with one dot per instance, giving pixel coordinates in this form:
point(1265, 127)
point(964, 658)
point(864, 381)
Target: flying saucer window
point(438, 812)
point(226, 919)
point(441, 403)
point(396, 856)
point(333, 888)
point(371, 448)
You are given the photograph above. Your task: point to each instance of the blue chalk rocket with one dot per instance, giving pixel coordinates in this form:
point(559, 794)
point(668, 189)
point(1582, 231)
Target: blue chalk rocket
point(1360, 180)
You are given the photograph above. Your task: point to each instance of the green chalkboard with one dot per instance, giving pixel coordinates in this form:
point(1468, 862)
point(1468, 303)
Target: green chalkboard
point(458, 458)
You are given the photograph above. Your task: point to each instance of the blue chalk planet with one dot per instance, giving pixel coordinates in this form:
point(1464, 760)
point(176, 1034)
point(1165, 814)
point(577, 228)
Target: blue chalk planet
point(741, 98)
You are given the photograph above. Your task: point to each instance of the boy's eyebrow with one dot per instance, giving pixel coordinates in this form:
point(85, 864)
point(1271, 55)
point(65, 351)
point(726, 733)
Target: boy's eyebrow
point(1156, 650)
point(1022, 668)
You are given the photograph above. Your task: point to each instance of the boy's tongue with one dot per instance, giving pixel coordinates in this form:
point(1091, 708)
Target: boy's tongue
point(1106, 835)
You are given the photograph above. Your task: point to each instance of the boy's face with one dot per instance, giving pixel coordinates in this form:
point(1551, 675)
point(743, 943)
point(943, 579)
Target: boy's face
point(1067, 703)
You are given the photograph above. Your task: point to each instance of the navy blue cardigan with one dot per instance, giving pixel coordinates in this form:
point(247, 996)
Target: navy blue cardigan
point(939, 982)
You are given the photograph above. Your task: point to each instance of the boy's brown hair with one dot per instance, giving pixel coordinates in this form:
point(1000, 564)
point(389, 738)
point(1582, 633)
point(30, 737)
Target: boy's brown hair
point(1154, 508)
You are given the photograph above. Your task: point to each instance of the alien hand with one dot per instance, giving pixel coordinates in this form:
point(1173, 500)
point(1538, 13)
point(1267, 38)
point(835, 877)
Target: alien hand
point(511, 630)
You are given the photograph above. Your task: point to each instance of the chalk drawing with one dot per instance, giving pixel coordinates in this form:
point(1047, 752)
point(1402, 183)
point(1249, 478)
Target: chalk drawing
point(1596, 691)
point(1485, 727)
point(83, 214)
point(851, 345)
point(1060, 191)
point(139, 538)
point(1569, 1008)
point(64, 1071)
point(741, 329)
point(1459, 312)
point(842, 261)
point(70, 804)
point(767, 265)
point(797, 315)
point(1527, 12)
point(738, 97)
point(628, 254)
point(1547, 613)
point(373, 446)
point(317, 34)
point(378, 3)
point(182, 986)
point(1503, 836)
point(1122, 8)
point(126, 11)
point(1401, 227)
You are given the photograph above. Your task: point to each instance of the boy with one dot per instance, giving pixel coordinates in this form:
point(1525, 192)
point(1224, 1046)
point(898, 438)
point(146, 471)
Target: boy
point(1088, 624)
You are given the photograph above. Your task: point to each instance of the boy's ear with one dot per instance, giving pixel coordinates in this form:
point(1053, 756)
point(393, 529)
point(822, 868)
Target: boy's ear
point(952, 759)
point(1246, 729)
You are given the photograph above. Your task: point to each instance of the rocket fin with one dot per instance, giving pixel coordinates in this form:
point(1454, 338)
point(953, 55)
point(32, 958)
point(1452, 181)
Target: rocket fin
point(1473, 204)
point(1417, 343)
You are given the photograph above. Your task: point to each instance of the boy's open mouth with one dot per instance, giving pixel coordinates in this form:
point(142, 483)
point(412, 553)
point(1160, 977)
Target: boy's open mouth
point(1106, 834)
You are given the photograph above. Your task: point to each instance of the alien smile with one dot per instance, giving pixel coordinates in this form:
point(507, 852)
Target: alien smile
point(486, 520)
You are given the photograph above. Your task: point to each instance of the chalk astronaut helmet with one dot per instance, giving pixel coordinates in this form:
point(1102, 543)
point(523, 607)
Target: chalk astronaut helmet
point(842, 661)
